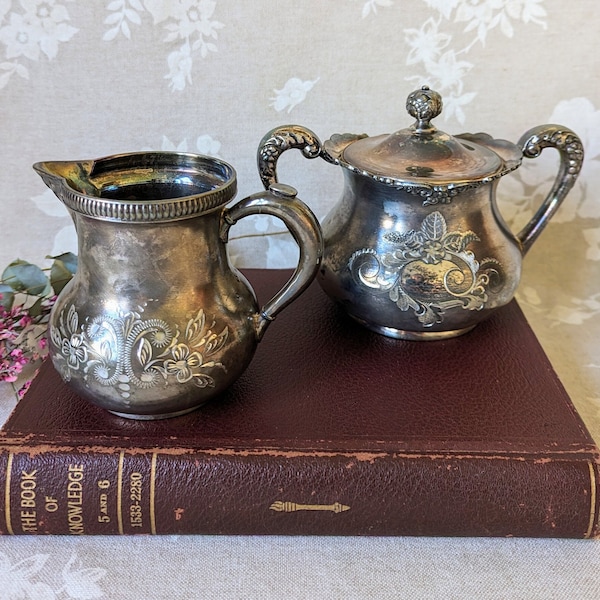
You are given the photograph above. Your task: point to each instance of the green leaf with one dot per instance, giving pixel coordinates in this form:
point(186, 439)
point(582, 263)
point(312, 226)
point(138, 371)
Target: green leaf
point(24, 277)
point(7, 296)
point(35, 310)
point(62, 270)
point(69, 259)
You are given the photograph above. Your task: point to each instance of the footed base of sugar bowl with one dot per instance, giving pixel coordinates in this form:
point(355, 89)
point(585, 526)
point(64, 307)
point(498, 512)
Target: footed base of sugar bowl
point(419, 336)
point(135, 417)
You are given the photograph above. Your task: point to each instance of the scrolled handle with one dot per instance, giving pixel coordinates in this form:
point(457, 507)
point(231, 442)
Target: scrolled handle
point(571, 153)
point(277, 141)
point(280, 201)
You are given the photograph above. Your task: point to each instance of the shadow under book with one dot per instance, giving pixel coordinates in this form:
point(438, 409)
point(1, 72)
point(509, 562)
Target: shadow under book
point(332, 430)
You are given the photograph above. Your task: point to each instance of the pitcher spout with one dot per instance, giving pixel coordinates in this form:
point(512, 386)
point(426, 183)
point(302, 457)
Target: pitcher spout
point(61, 176)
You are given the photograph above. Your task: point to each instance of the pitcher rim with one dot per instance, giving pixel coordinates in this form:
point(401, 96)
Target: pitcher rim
point(148, 210)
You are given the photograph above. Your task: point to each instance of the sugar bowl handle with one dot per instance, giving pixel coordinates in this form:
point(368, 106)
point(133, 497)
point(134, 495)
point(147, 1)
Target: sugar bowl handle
point(280, 201)
point(570, 149)
point(280, 139)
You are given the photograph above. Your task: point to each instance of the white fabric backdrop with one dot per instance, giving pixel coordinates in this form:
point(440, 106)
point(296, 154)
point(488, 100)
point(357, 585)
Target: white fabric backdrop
point(82, 79)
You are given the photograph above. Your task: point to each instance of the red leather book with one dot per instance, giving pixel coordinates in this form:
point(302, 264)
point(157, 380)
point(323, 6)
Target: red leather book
point(331, 430)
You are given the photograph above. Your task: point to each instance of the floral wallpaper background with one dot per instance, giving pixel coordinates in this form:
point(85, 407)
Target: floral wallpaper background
point(81, 80)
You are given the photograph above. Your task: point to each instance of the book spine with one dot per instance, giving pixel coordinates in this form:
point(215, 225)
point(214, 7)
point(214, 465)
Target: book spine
point(87, 491)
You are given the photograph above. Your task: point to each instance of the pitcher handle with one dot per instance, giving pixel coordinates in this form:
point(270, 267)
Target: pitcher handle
point(280, 201)
point(570, 149)
point(280, 139)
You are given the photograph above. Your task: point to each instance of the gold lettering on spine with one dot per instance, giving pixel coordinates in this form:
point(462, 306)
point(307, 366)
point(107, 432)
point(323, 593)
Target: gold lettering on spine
point(75, 499)
point(50, 504)
point(590, 529)
point(120, 491)
point(136, 515)
point(153, 494)
point(7, 495)
point(103, 517)
point(28, 496)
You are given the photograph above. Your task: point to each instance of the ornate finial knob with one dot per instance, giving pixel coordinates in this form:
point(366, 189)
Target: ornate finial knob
point(424, 105)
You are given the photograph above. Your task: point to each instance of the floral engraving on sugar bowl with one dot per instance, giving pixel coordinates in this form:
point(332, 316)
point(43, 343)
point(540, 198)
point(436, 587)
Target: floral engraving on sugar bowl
point(429, 270)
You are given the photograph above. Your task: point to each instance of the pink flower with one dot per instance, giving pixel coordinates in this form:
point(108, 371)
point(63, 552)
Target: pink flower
point(23, 327)
point(23, 390)
point(20, 341)
point(24, 321)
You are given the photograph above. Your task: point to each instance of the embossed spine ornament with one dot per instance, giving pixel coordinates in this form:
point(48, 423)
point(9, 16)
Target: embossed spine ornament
point(288, 507)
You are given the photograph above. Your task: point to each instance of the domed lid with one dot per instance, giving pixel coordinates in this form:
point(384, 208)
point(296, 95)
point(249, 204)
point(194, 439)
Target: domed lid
point(421, 156)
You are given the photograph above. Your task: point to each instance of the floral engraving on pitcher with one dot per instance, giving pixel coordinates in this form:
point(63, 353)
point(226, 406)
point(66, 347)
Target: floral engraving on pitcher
point(128, 352)
point(429, 271)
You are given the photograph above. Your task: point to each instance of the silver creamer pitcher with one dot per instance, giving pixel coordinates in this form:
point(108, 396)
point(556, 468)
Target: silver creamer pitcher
point(156, 321)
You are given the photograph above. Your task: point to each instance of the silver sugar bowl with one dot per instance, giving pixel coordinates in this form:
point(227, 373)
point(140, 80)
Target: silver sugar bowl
point(416, 247)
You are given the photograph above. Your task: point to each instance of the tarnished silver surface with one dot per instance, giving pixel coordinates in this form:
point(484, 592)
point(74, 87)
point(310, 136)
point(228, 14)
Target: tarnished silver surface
point(156, 321)
point(416, 247)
